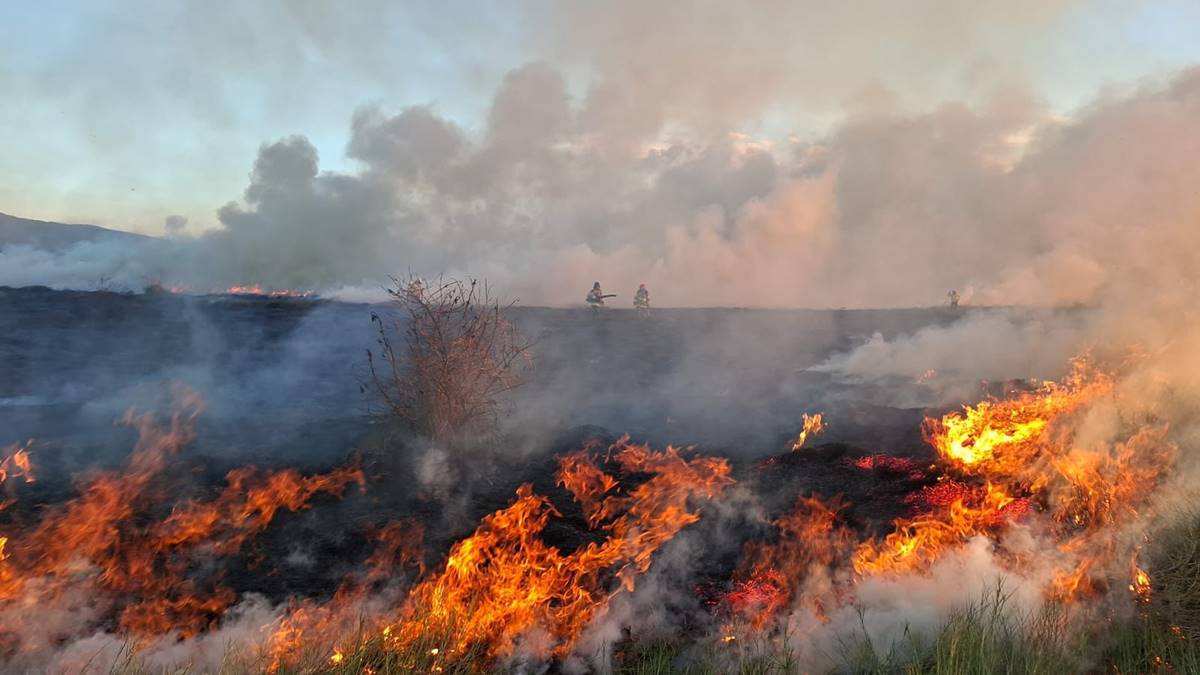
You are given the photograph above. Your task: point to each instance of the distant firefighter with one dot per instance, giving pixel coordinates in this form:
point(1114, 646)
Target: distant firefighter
point(595, 297)
point(641, 300)
point(953, 297)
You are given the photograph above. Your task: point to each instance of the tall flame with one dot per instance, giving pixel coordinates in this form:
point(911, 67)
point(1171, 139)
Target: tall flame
point(813, 425)
point(1027, 449)
point(503, 581)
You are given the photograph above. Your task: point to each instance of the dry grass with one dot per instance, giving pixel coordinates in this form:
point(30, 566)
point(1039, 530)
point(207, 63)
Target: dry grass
point(459, 358)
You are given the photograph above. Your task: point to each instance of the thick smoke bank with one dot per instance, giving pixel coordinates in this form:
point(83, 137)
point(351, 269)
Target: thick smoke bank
point(889, 209)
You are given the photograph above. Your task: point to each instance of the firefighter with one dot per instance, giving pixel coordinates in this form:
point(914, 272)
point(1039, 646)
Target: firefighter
point(641, 300)
point(953, 297)
point(595, 297)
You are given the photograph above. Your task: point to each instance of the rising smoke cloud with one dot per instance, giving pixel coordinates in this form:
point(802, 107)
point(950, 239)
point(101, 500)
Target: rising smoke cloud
point(637, 171)
point(890, 209)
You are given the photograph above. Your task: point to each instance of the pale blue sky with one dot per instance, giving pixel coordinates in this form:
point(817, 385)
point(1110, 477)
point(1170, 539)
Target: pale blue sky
point(121, 112)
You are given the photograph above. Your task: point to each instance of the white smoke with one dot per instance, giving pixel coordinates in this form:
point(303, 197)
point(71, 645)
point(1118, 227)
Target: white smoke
point(890, 209)
point(951, 360)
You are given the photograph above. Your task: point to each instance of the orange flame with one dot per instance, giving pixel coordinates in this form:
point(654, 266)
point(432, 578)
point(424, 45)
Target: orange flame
point(254, 289)
point(130, 547)
point(16, 463)
point(1013, 428)
point(918, 542)
point(1139, 582)
point(503, 581)
point(135, 568)
point(771, 575)
point(813, 425)
point(1026, 447)
point(309, 624)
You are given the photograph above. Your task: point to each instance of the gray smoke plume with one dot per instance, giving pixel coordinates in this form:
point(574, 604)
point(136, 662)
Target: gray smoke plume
point(890, 209)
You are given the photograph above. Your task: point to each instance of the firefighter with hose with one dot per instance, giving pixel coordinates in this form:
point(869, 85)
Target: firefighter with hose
point(595, 297)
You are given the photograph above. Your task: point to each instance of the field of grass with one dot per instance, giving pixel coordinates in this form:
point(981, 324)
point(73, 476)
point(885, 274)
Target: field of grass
point(1161, 636)
point(978, 639)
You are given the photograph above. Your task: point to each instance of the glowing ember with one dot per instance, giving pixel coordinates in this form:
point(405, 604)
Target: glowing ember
point(886, 464)
point(272, 292)
point(771, 574)
point(918, 542)
point(942, 494)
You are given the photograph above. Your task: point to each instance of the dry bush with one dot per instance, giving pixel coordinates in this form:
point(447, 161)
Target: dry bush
point(460, 356)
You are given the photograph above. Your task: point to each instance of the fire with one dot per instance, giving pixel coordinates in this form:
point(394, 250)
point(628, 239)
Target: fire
point(129, 545)
point(254, 289)
point(888, 464)
point(399, 548)
point(137, 570)
point(504, 581)
point(771, 575)
point(1139, 582)
point(16, 463)
point(1027, 451)
point(918, 542)
point(1013, 427)
point(813, 425)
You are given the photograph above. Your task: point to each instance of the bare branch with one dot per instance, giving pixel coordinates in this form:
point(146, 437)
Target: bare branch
point(463, 356)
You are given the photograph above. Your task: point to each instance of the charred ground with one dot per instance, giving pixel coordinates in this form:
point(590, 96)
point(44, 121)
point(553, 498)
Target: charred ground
point(284, 385)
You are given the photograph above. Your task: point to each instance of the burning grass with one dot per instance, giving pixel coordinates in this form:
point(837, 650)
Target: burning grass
point(114, 555)
point(1024, 486)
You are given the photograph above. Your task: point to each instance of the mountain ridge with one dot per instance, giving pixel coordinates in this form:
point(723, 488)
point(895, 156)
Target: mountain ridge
point(53, 236)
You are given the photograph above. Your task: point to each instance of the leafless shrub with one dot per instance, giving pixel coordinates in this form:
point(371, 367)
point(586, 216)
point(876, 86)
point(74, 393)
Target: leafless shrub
point(461, 356)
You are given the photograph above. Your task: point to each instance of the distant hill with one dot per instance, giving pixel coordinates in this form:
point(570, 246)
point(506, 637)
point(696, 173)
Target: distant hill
point(51, 236)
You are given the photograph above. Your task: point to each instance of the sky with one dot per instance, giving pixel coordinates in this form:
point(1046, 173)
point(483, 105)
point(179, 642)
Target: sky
point(125, 112)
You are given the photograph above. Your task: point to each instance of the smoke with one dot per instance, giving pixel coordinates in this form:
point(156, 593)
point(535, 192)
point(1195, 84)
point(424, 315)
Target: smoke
point(949, 361)
point(888, 612)
point(233, 645)
point(174, 225)
point(888, 209)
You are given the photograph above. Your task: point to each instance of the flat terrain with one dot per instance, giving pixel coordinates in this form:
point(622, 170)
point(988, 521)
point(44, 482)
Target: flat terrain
point(283, 377)
point(285, 382)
